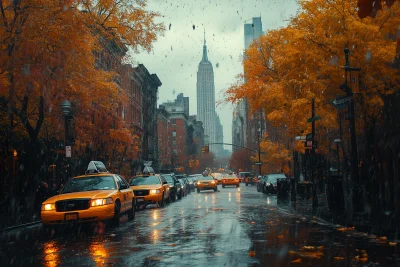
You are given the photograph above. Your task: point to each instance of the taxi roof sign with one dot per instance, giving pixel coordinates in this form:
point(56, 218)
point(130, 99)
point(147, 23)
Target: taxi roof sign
point(96, 167)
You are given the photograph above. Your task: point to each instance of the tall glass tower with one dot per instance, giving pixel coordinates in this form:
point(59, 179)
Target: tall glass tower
point(206, 95)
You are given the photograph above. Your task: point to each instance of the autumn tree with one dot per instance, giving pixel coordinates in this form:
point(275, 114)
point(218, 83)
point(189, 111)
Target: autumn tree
point(286, 68)
point(241, 160)
point(47, 54)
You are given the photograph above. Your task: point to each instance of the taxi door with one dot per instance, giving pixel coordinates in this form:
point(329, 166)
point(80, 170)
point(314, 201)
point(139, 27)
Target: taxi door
point(165, 186)
point(126, 194)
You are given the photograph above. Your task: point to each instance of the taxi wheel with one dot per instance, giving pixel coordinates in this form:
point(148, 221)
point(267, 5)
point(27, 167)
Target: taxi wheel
point(237, 185)
point(198, 190)
point(180, 195)
point(160, 204)
point(215, 189)
point(117, 214)
point(223, 186)
point(131, 212)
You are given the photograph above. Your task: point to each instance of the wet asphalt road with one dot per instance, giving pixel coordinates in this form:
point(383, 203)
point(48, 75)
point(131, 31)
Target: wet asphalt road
point(233, 227)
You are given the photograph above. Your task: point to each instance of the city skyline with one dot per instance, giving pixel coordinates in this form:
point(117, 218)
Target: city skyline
point(175, 55)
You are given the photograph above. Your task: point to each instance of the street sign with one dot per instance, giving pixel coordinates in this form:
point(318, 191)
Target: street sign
point(314, 119)
point(68, 151)
point(258, 163)
point(300, 137)
point(341, 102)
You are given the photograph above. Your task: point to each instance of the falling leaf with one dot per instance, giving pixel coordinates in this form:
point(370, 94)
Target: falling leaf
point(392, 244)
point(252, 253)
point(194, 27)
point(280, 236)
point(383, 238)
point(296, 260)
point(309, 247)
point(338, 258)
point(169, 26)
point(174, 245)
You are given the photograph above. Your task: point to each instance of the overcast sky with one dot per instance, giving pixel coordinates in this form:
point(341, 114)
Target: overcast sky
point(176, 55)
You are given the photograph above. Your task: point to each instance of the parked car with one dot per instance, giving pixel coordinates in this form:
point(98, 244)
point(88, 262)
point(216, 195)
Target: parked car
point(175, 187)
point(250, 179)
point(96, 196)
point(150, 189)
point(260, 183)
point(270, 184)
point(229, 180)
point(185, 184)
point(206, 183)
point(243, 175)
point(191, 183)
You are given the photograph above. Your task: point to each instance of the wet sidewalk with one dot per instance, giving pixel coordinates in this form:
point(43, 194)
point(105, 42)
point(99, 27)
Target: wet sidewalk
point(376, 222)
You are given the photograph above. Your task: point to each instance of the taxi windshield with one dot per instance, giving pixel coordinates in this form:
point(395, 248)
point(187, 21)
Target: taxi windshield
point(229, 176)
point(206, 178)
point(145, 180)
point(181, 181)
point(89, 184)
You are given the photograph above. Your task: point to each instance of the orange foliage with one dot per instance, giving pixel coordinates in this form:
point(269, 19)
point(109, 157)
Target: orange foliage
point(47, 54)
point(286, 68)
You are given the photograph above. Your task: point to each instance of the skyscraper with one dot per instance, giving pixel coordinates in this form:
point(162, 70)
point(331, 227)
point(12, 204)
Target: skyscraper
point(206, 96)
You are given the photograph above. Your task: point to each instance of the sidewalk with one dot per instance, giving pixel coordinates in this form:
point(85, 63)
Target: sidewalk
point(376, 222)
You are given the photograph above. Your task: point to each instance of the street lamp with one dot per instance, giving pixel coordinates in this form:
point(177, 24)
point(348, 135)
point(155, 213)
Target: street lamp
point(337, 142)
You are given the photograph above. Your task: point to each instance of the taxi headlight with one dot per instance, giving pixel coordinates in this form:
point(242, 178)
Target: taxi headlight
point(154, 191)
point(48, 207)
point(198, 183)
point(101, 201)
point(213, 182)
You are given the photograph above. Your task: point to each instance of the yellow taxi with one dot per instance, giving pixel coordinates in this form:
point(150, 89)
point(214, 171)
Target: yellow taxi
point(230, 179)
point(96, 196)
point(150, 189)
point(206, 183)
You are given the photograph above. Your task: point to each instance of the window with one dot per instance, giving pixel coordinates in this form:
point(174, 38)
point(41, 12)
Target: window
point(174, 134)
point(174, 142)
point(173, 121)
point(175, 151)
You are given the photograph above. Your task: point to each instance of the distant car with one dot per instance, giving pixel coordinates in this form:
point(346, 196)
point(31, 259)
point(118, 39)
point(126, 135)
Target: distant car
point(229, 180)
point(206, 183)
point(270, 183)
point(191, 183)
point(217, 176)
point(175, 187)
point(195, 178)
point(185, 186)
point(150, 189)
point(243, 175)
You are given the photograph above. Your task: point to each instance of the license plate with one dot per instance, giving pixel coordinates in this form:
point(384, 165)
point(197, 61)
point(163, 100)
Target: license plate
point(205, 183)
point(72, 216)
point(140, 200)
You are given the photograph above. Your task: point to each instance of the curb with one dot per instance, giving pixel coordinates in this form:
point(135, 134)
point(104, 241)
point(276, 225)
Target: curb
point(20, 226)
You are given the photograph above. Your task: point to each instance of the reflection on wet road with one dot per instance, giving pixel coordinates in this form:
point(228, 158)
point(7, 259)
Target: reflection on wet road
point(233, 227)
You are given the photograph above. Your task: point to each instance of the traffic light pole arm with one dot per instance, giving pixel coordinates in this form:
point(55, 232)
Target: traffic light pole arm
point(254, 150)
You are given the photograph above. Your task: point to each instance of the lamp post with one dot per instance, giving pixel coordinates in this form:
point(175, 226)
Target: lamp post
point(66, 110)
point(337, 142)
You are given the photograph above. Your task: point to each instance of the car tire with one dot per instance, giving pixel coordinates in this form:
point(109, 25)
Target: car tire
point(198, 190)
point(160, 204)
point(237, 185)
point(223, 186)
point(180, 195)
point(117, 214)
point(215, 190)
point(131, 212)
point(258, 189)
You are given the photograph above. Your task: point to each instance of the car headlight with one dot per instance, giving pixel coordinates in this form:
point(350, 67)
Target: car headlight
point(48, 207)
point(101, 201)
point(213, 182)
point(198, 183)
point(154, 191)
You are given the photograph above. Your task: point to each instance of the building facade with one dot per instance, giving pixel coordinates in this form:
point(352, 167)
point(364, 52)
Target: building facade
point(206, 96)
point(219, 138)
point(164, 163)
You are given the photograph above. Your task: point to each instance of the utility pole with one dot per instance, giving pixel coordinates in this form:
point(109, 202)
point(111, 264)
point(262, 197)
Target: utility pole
point(314, 187)
point(357, 191)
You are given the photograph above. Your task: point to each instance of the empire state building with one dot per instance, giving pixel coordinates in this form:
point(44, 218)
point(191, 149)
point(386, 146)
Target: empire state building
point(206, 96)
